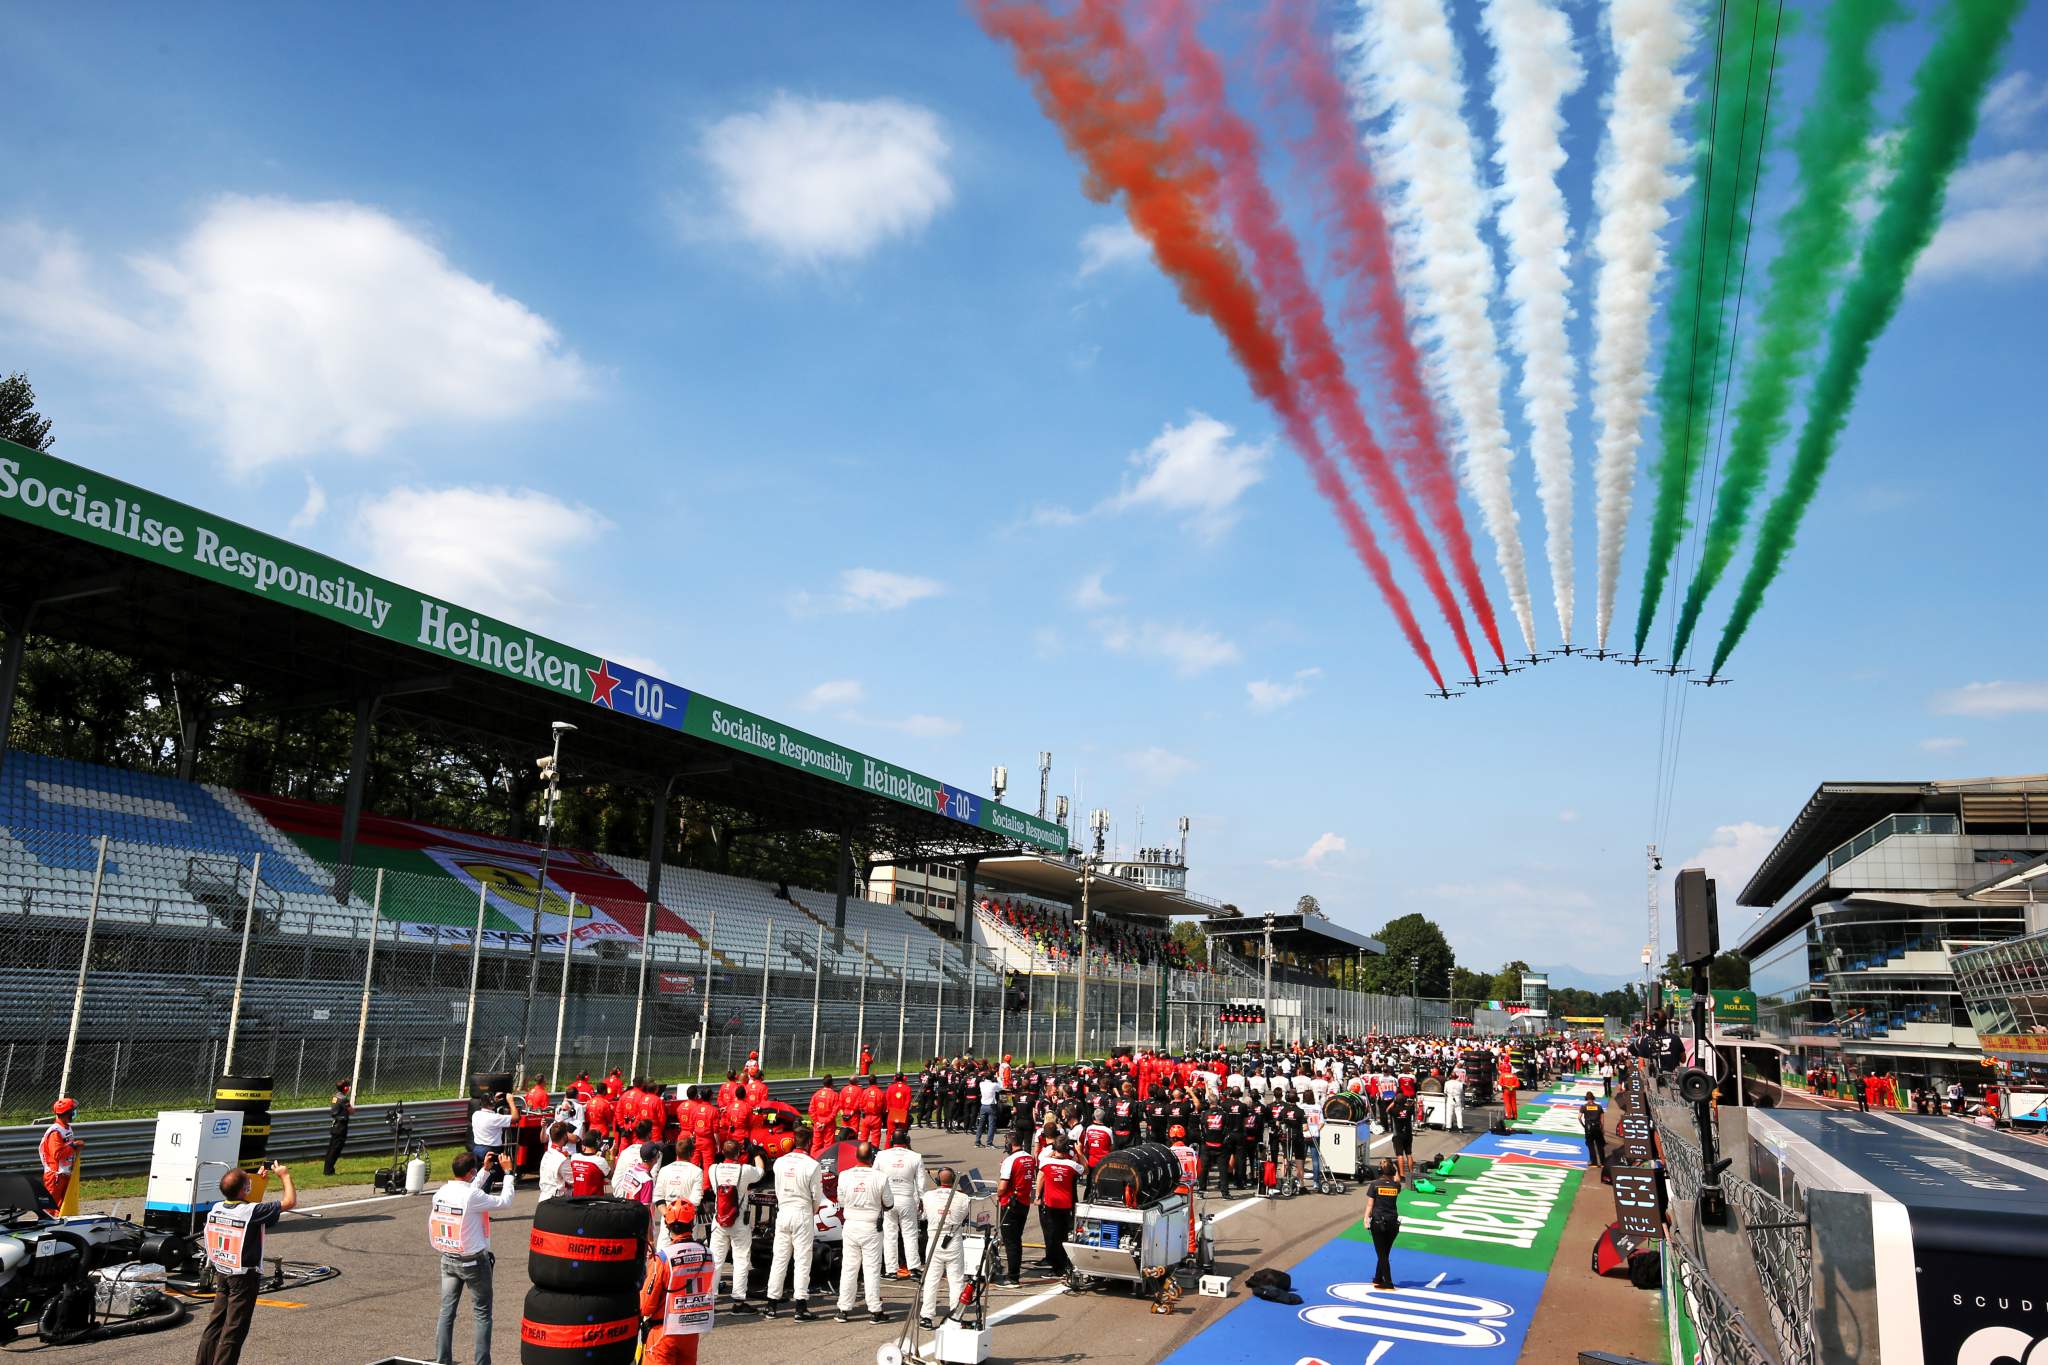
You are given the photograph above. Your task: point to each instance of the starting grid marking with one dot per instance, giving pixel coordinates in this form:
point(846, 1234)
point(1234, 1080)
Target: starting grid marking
point(1469, 1265)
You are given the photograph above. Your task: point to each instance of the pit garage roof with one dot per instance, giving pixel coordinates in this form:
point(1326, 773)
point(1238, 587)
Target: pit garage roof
point(87, 558)
point(1309, 936)
point(1057, 879)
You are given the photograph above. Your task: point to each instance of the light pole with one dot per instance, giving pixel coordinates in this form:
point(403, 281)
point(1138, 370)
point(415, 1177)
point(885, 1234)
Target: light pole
point(1098, 822)
point(1415, 996)
point(1646, 987)
point(1268, 985)
point(551, 791)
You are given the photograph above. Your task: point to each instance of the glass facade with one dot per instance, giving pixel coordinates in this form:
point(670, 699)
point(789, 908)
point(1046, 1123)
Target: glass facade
point(1868, 975)
point(1790, 981)
point(2005, 989)
point(1889, 979)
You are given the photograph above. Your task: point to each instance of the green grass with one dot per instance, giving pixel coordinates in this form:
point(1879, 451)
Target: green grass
point(350, 1170)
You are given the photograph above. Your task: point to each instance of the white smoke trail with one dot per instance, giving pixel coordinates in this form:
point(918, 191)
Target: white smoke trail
point(1405, 68)
point(1640, 174)
point(1534, 68)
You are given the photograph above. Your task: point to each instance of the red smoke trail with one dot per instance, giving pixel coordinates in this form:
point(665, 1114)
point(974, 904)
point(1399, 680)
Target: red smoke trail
point(1332, 161)
point(1095, 87)
point(1203, 111)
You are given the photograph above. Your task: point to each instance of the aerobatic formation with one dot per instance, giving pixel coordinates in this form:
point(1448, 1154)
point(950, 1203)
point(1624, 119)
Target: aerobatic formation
point(1747, 350)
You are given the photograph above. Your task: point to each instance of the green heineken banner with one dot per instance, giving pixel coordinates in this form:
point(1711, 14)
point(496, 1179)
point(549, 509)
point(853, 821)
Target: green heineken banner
point(42, 490)
point(1729, 1007)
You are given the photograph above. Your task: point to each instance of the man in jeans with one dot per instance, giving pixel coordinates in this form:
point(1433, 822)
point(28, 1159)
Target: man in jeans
point(985, 1122)
point(459, 1227)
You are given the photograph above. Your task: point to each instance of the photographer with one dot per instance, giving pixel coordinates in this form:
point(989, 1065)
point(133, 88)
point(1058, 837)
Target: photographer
point(459, 1227)
point(234, 1248)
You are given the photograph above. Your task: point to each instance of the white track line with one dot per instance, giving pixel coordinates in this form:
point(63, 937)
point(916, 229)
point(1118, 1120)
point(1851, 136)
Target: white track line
point(350, 1203)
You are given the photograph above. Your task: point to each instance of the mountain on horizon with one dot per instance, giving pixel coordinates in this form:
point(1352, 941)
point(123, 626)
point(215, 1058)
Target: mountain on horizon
point(1597, 982)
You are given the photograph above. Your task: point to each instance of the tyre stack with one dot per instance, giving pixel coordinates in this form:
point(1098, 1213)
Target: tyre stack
point(585, 1258)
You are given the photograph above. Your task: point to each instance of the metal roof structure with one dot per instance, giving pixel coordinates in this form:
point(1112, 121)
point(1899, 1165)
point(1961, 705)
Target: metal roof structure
point(1303, 935)
point(87, 558)
point(1060, 879)
point(1838, 811)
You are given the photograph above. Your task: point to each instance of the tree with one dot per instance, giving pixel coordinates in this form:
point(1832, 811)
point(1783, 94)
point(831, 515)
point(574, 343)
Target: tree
point(1411, 936)
point(1507, 983)
point(19, 421)
point(1308, 905)
point(1469, 987)
point(1728, 971)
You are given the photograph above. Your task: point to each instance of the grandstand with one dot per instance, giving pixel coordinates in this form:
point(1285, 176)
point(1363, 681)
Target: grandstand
point(328, 939)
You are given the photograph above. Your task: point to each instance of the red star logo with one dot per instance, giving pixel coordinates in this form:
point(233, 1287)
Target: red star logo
point(939, 801)
point(601, 684)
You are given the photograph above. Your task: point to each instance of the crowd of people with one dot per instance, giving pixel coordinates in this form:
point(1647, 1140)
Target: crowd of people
point(1051, 935)
point(718, 1166)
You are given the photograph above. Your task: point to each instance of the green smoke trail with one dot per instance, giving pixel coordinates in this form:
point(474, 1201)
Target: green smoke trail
point(1816, 242)
point(1940, 120)
point(1731, 131)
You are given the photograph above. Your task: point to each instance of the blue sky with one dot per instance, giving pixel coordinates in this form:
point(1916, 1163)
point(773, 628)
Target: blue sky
point(776, 348)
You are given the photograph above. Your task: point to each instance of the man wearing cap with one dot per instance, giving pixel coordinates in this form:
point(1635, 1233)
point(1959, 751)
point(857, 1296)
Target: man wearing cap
point(677, 1295)
point(60, 1149)
point(1014, 1181)
point(338, 1110)
point(1591, 1120)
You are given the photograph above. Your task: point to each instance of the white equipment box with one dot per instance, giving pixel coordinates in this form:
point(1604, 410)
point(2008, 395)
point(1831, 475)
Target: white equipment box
point(1347, 1149)
point(194, 1147)
point(958, 1345)
point(1117, 1243)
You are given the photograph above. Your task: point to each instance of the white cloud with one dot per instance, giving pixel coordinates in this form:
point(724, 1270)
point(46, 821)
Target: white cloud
point(502, 551)
point(1267, 695)
point(1568, 816)
point(1996, 221)
point(286, 329)
point(1190, 650)
point(1732, 855)
point(1943, 744)
point(312, 509)
point(1194, 471)
point(1159, 765)
point(1108, 245)
point(2011, 104)
point(1090, 594)
point(49, 291)
point(1045, 516)
point(838, 692)
point(813, 181)
point(869, 590)
point(1326, 846)
point(1992, 699)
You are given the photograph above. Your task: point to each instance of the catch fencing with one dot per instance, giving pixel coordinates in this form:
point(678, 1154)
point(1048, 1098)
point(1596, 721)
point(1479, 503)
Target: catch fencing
point(1779, 1247)
point(134, 989)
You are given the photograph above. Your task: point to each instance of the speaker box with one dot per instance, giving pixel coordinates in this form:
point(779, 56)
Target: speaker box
point(1699, 920)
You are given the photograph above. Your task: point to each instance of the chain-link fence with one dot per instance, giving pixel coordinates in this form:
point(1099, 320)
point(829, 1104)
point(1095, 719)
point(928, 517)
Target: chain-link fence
point(1779, 1247)
point(135, 983)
